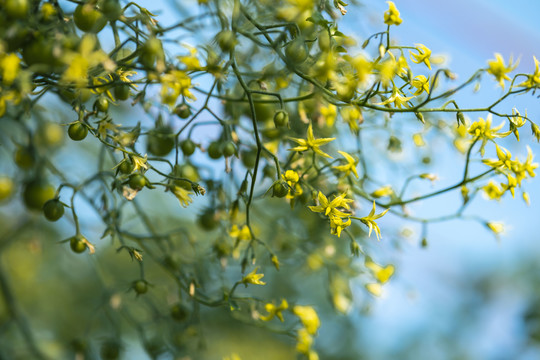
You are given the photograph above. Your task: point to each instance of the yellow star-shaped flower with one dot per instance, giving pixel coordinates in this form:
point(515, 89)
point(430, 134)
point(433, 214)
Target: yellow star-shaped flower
point(423, 55)
point(349, 167)
point(274, 310)
point(253, 278)
point(330, 207)
point(370, 221)
point(498, 69)
point(311, 143)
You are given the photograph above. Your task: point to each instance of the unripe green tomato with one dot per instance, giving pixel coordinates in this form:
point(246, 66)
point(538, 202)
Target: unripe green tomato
point(226, 40)
point(214, 150)
point(229, 149)
point(324, 40)
point(24, 157)
point(49, 135)
point(111, 9)
point(249, 158)
point(83, 94)
point(126, 166)
point(182, 111)
point(36, 193)
point(271, 132)
point(346, 92)
point(40, 52)
point(102, 104)
point(187, 171)
point(110, 350)
point(281, 118)
point(7, 187)
point(53, 209)
point(150, 52)
point(208, 220)
point(140, 287)
point(89, 19)
point(280, 189)
point(188, 147)
point(179, 312)
point(186, 185)
point(79, 345)
point(77, 131)
point(137, 181)
point(263, 112)
point(121, 92)
point(297, 51)
point(77, 244)
point(16, 9)
point(160, 141)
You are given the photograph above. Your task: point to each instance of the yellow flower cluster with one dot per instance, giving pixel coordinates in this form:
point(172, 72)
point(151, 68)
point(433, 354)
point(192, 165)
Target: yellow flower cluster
point(331, 209)
point(515, 171)
point(311, 323)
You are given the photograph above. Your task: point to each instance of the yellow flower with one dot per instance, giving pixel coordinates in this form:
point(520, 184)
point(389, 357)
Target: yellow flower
point(329, 113)
point(311, 143)
point(481, 129)
point(535, 131)
point(240, 234)
point(421, 83)
point(370, 221)
point(431, 177)
point(374, 289)
point(397, 98)
point(493, 191)
point(106, 125)
point(274, 310)
point(353, 117)
point(330, 207)
point(533, 80)
point(498, 69)
point(516, 121)
point(496, 227)
point(511, 185)
point(349, 167)
point(174, 84)
point(139, 162)
point(526, 198)
point(308, 317)
point(191, 62)
point(253, 278)
point(505, 158)
point(123, 76)
point(382, 274)
point(305, 340)
point(337, 225)
point(10, 65)
point(292, 178)
point(391, 16)
point(363, 68)
point(182, 195)
point(383, 191)
point(387, 69)
point(79, 63)
point(423, 55)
